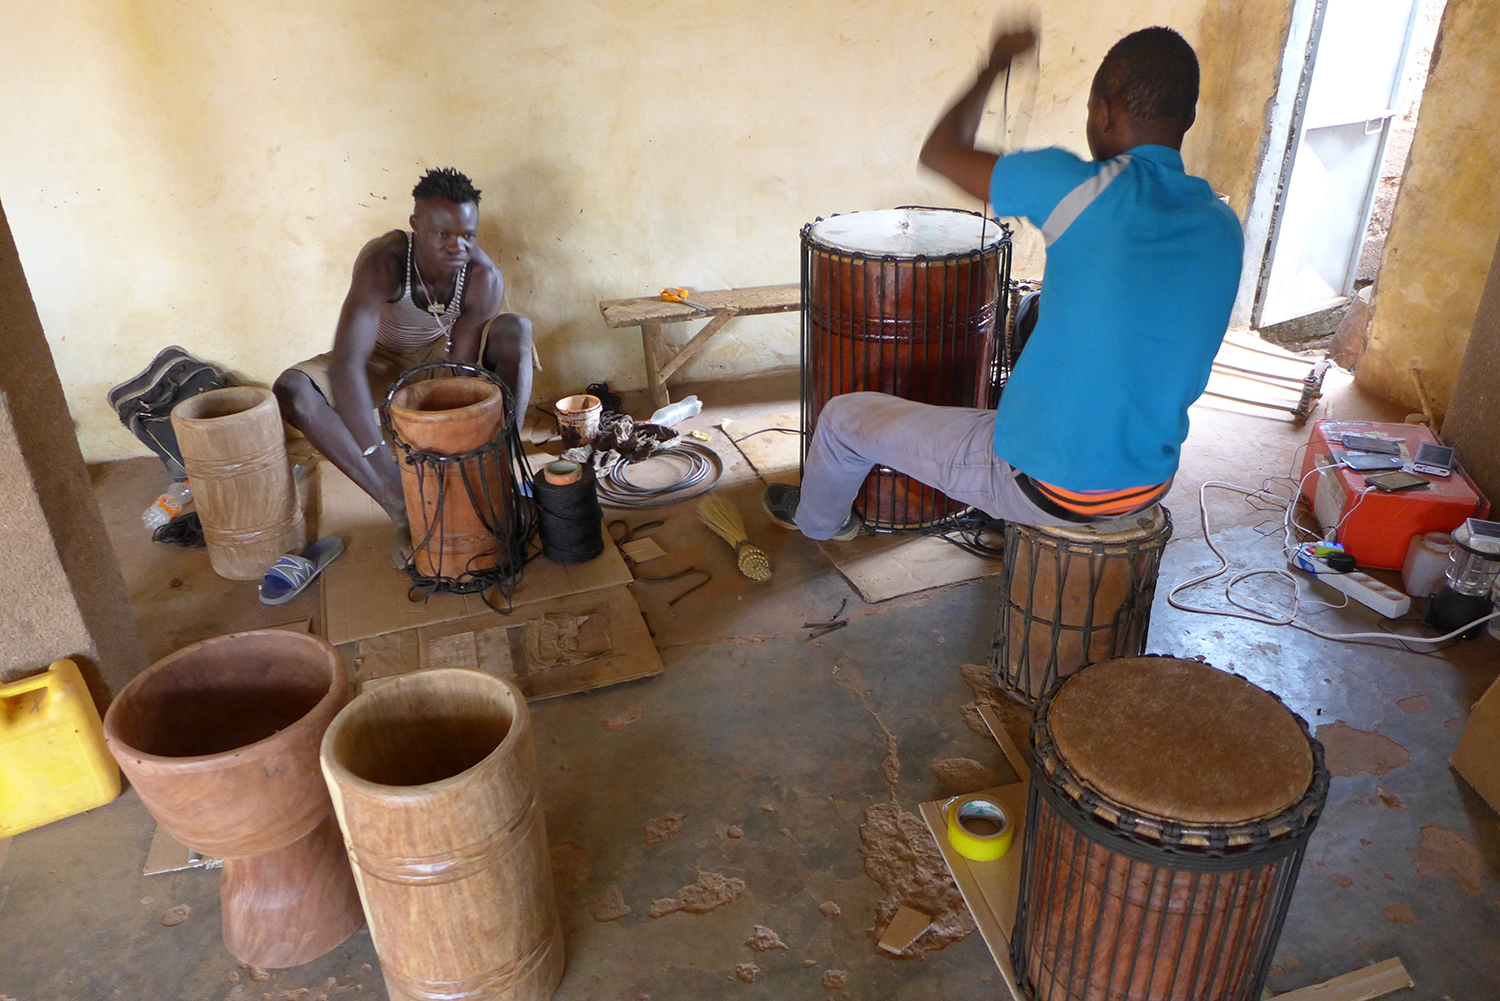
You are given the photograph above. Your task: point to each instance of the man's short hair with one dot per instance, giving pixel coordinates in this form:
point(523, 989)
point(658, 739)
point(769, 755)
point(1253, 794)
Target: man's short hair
point(446, 183)
point(1153, 73)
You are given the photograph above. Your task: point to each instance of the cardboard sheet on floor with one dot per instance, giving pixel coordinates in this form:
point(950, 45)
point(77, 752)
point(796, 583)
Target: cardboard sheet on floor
point(888, 566)
point(1475, 756)
point(364, 597)
point(568, 644)
point(774, 453)
point(990, 888)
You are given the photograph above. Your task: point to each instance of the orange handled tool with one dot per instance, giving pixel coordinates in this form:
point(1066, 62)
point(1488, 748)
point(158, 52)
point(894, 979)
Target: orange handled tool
point(681, 295)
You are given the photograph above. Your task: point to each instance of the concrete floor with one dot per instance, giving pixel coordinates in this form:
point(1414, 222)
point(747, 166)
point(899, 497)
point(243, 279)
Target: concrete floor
point(754, 727)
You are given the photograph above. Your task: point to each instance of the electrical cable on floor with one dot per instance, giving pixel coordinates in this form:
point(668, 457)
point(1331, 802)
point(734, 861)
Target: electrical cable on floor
point(704, 469)
point(752, 434)
point(970, 528)
point(1266, 613)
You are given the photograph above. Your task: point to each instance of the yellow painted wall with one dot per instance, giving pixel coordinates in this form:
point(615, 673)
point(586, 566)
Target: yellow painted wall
point(1446, 219)
point(1240, 48)
point(180, 172)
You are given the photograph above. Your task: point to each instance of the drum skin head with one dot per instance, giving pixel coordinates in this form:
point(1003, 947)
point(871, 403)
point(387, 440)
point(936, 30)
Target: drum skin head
point(905, 233)
point(1180, 740)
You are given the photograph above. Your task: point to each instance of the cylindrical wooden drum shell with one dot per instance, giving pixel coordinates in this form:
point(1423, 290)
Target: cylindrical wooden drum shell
point(1150, 931)
point(454, 514)
point(234, 450)
point(433, 777)
point(1067, 603)
point(919, 329)
point(221, 741)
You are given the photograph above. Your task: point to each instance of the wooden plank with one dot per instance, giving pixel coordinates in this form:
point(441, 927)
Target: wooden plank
point(903, 930)
point(1360, 985)
point(994, 930)
point(656, 383)
point(752, 301)
point(691, 347)
point(1007, 746)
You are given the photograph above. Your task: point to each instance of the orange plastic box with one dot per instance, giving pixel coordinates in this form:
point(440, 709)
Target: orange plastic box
point(1377, 529)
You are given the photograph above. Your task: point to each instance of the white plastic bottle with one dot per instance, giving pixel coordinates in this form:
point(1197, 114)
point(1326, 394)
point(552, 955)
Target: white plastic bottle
point(168, 506)
point(673, 413)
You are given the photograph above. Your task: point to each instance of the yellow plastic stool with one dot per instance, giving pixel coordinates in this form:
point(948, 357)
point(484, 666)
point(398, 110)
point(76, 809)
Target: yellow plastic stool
point(53, 762)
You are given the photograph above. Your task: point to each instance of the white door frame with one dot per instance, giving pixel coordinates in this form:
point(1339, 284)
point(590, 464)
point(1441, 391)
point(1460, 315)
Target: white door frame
point(1276, 149)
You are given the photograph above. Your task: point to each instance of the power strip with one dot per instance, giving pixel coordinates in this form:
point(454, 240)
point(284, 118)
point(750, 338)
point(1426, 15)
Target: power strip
point(1360, 586)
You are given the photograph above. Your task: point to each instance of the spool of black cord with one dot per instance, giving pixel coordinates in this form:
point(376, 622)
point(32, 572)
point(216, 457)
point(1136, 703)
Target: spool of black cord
point(572, 523)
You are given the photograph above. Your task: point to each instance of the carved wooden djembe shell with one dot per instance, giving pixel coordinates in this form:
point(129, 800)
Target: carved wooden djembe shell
point(434, 779)
point(221, 742)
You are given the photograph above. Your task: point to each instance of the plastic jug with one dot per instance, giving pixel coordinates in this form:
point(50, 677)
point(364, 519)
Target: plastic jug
point(53, 762)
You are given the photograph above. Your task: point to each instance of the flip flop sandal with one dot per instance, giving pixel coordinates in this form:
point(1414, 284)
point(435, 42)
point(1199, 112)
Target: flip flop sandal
point(290, 575)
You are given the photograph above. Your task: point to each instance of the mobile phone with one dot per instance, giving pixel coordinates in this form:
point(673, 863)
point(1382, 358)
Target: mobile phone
point(1391, 482)
point(1362, 462)
point(1364, 443)
point(1434, 460)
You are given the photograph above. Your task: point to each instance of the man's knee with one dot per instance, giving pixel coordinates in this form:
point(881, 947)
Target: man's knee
point(509, 337)
point(296, 395)
point(842, 414)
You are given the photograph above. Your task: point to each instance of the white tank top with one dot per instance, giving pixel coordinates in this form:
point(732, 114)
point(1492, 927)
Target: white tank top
point(405, 327)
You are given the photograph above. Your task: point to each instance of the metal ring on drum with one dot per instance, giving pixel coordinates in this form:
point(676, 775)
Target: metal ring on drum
point(1169, 810)
point(1074, 595)
point(903, 301)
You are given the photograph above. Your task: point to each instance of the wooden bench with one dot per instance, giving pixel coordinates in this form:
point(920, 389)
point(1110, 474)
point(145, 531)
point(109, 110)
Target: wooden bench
point(651, 312)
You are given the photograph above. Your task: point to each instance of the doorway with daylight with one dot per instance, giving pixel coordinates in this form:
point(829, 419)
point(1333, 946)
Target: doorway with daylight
point(1338, 135)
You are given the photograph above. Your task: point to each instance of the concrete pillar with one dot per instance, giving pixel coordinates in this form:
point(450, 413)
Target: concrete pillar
point(1472, 425)
point(63, 594)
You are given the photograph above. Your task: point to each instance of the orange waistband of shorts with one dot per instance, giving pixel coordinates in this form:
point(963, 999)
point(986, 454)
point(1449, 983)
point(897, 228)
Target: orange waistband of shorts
point(1101, 503)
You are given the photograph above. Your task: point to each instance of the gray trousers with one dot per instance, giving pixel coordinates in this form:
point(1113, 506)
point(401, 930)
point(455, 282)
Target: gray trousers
point(950, 448)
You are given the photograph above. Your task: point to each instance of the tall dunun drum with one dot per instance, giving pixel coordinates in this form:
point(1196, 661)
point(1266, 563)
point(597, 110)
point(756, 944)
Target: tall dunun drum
point(1073, 595)
point(433, 776)
point(453, 436)
point(221, 739)
point(1169, 810)
point(234, 449)
point(902, 301)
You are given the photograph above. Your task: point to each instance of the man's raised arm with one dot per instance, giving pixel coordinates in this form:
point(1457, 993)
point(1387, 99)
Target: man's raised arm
point(949, 148)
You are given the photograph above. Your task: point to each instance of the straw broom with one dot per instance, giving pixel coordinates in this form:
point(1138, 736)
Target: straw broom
point(721, 516)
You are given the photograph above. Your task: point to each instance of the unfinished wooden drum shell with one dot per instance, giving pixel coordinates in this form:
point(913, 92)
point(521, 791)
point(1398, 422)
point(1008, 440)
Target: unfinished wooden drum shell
point(1168, 814)
point(902, 301)
point(221, 741)
point(234, 449)
point(1072, 596)
point(433, 777)
point(455, 513)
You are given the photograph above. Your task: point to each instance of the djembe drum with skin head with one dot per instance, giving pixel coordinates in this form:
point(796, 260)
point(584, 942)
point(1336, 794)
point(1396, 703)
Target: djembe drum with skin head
point(1169, 810)
point(1074, 595)
point(221, 742)
point(906, 302)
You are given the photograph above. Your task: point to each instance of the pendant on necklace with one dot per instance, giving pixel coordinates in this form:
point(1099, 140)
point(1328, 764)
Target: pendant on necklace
point(436, 309)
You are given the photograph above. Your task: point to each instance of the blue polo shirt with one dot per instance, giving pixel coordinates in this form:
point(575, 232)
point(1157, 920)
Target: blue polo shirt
point(1143, 262)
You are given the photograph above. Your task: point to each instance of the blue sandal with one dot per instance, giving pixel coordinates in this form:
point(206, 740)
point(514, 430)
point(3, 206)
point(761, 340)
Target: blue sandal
point(290, 575)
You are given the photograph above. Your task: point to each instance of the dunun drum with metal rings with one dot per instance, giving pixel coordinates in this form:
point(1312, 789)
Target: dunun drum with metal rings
point(1169, 810)
point(907, 302)
point(1074, 595)
point(458, 450)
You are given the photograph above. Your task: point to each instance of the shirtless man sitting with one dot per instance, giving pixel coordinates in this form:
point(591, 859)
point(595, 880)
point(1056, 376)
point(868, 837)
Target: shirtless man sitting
point(415, 297)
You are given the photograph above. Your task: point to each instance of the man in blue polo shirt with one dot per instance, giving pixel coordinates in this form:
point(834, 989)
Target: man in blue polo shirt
point(1143, 262)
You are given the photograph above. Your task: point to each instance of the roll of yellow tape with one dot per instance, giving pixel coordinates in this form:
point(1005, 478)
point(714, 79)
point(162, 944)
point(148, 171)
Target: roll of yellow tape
point(978, 827)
